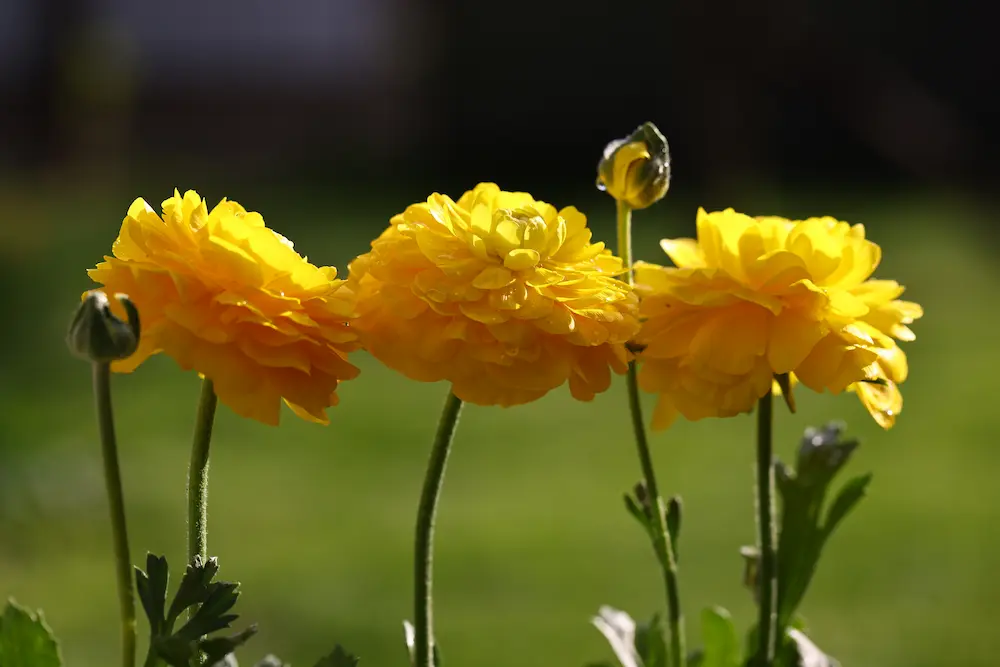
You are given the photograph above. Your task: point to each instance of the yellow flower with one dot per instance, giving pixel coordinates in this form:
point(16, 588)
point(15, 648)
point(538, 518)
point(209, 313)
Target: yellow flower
point(755, 297)
point(224, 295)
point(636, 169)
point(497, 293)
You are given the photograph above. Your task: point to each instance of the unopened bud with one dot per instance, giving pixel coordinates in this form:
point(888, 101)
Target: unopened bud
point(822, 453)
point(97, 334)
point(636, 169)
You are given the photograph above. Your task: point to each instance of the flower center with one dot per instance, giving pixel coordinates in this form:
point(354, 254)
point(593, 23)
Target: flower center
point(519, 237)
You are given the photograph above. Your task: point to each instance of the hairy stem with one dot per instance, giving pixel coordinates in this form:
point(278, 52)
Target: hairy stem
point(198, 473)
point(423, 612)
point(766, 535)
point(116, 503)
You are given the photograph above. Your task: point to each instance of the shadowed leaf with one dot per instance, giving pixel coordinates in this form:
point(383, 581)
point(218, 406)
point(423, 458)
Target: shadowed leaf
point(26, 640)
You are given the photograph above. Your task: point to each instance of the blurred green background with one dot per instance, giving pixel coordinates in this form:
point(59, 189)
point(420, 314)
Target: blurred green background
point(316, 522)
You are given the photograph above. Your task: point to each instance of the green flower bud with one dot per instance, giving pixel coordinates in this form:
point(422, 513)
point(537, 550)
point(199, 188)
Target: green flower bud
point(96, 334)
point(636, 170)
point(822, 453)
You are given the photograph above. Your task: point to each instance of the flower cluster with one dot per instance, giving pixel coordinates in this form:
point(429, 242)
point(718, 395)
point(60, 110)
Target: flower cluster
point(752, 298)
point(224, 295)
point(506, 298)
point(501, 295)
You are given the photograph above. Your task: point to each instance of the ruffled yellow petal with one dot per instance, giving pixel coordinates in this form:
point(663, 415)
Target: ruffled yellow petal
point(231, 299)
point(752, 298)
point(501, 295)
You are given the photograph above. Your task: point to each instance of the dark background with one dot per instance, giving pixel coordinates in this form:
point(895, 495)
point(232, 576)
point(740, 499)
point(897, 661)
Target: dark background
point(443, 93)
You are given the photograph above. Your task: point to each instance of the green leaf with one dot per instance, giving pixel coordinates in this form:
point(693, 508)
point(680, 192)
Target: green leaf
point(152, 588)
point(822, 454)
point(194, 588)
point(650, 643)
point(175, 651)
point(211, 616)
point(674, 507)
point(847, 498)
point(722, 647)
point(212, 600)
point(26, 639)
point(633, 507)
point(217, 648)
point(178, 651)
point(340, 658)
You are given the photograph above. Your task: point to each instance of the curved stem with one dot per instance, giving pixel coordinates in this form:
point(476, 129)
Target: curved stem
point(116, 503)
point(766, 535)
point(423, 613)
point(198, 473)
point(662, 541)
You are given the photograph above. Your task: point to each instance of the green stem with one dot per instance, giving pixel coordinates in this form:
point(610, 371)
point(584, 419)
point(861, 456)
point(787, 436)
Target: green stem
point(766, 535)
point(116, 503)
point(198, 473)
point(662, 541)
point(423, 613)
point(625, 237)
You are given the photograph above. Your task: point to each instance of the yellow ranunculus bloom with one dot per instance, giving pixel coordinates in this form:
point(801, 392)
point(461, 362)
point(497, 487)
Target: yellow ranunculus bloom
point(755, 297)
point(226, 296)
point(501, 295)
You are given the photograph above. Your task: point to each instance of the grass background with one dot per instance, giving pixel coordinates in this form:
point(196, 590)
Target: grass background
point(316, 522)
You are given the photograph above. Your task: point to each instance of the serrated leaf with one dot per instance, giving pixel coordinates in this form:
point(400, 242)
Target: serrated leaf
point(338, 658)
point(722, 646)
point(152, 588)
point(211, 616)
point(217, 648)
point(196, 628)
point(175, 651)
point(190, 645)
point(847, 498)
point(619, 629)
point(194, 586)
point(26, 639)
